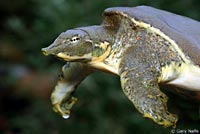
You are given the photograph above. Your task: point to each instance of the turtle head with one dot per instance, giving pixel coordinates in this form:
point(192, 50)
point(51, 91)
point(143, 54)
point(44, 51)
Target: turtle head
point(72, 45)
point(81, 44)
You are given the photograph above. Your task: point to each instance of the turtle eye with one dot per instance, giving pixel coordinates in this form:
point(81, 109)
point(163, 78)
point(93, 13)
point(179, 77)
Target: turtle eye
point(75, 39)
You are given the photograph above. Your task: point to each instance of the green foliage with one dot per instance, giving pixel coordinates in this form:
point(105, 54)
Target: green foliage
point(26, 27)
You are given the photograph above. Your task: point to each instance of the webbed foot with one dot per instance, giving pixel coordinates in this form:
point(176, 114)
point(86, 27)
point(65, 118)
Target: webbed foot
point(144, 93)
point(166, 119)
point(156, 109)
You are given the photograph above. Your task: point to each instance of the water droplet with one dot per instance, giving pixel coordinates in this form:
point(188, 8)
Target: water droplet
point(66, 116)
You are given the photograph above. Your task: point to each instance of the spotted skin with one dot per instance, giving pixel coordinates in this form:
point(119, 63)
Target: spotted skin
point(140, 84)
point(140, 78)
point(147, 98)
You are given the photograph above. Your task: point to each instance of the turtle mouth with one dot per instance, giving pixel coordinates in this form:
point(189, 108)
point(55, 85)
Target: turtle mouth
point(66, 57)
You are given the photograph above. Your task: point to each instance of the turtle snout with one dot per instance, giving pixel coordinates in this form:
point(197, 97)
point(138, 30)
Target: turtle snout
point(45, 51)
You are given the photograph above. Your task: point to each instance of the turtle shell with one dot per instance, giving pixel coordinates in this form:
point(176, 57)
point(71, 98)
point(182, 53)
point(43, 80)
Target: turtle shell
point(183, 31)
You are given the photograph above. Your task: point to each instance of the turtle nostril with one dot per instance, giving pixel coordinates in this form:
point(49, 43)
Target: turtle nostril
point(45, 51)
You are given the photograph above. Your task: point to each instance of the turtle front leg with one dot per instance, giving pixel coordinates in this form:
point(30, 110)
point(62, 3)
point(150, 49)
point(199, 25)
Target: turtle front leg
point(62, 99)
point(141, 87)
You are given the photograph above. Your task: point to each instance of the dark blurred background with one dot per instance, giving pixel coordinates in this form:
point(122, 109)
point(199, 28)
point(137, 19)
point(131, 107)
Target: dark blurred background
point(27, 77)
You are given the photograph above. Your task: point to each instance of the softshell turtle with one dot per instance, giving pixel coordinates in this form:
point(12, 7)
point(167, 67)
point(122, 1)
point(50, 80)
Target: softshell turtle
point(143, 45)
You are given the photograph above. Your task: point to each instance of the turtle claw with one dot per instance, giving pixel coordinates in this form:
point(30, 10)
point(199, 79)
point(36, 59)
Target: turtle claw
point(64, 108)
point(169, 120)
point(65, 113)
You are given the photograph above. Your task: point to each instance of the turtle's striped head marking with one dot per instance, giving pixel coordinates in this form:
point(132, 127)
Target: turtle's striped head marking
point(72, 45)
